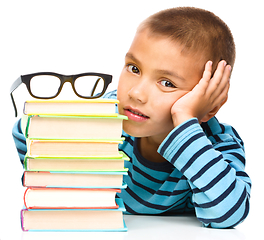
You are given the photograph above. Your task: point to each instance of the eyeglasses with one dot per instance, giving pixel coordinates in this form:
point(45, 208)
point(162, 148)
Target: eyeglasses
point(48, 85)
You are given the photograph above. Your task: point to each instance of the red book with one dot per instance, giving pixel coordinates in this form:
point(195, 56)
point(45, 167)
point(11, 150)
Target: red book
point(70, 198)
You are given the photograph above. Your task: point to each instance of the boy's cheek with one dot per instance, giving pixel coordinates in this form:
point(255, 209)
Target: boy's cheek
point(120, 109)
point(123, 85)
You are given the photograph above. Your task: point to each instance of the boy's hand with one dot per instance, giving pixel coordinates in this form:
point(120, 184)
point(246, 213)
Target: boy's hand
point(206, 97)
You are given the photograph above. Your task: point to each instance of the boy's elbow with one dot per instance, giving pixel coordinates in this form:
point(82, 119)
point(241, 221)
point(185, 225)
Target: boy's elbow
point(232, 217)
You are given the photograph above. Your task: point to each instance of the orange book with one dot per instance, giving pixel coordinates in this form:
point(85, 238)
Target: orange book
point(74, 179)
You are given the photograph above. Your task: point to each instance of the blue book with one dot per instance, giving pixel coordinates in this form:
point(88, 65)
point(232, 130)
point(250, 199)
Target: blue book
point(74, 220)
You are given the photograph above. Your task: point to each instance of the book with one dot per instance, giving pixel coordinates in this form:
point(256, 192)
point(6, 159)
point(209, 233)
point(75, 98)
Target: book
point(69, 198)
point(73, 148)
point(73, 167)
point(74, 219)
point(76, 164)
point(74, 127)
point(74, 179)
point(71, 107)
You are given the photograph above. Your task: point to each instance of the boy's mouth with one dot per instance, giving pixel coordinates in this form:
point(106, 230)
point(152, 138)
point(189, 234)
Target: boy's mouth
point(135, 115)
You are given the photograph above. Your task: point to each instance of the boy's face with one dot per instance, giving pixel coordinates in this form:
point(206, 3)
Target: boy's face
point(154, 77)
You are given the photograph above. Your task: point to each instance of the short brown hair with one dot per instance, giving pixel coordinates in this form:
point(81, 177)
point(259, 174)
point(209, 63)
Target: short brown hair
point(197, 30)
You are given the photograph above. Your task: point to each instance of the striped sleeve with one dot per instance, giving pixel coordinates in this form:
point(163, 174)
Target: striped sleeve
point(214, 168)
point(20, 140)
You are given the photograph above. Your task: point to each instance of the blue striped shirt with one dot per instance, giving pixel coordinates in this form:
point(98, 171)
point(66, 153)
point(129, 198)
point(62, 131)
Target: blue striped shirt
point(204, 172)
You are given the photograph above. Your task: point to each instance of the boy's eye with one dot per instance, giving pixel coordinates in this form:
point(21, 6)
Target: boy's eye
point(167, 83)
point(132, 69)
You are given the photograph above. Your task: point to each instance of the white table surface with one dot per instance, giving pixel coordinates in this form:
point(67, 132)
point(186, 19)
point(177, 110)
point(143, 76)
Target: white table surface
point(149, 227)
point(139, 227)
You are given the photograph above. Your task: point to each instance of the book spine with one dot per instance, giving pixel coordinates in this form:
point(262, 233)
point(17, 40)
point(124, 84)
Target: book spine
point(23, 179)
point(24, 198)
point(27, 125)
point(24, 108)
point(22, 219)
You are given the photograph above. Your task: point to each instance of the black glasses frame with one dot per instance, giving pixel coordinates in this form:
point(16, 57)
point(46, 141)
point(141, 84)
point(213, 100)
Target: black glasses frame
point(63, 78)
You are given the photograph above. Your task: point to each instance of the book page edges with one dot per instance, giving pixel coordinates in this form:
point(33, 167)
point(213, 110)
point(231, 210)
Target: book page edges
point(97, 100)
point(121, 156)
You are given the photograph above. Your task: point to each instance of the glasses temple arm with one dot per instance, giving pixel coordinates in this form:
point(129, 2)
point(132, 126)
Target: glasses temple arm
point(13, 87)
point(95, 86)
point(14, 104)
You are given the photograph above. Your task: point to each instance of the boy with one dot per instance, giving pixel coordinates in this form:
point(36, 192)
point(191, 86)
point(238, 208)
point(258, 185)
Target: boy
point(181, 158)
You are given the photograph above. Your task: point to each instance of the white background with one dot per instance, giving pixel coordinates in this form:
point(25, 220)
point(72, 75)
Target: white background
point(71, 37)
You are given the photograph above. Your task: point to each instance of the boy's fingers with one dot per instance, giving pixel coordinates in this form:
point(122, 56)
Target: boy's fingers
point(203, 83)
point(223, 83)
point(219, 73)
point(207, 72)
point(227, 72)
point(223, 95)
point(220, 78)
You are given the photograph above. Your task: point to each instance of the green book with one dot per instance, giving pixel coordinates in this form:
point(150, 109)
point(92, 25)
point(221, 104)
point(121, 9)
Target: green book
point(76, 164)
point(74, 127)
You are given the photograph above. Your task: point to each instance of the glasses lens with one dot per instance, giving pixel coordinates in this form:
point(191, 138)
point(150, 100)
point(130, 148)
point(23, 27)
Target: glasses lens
point(89, 86)
point(45, 86)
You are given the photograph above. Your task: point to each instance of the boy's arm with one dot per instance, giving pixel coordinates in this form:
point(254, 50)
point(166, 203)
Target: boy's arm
point(214, 169)
point(20, 140)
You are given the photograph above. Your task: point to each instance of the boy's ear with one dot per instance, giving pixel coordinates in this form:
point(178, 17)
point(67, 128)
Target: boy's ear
point(213, 112)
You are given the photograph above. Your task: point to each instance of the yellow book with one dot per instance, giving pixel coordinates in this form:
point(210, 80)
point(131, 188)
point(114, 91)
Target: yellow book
point(85, 107)
point(76, 164)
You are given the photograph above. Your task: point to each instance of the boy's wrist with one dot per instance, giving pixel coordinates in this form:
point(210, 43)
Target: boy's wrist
point(179, 118)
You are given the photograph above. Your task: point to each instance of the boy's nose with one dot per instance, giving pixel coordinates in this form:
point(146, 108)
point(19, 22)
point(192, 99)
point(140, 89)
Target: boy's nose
point(139, 93)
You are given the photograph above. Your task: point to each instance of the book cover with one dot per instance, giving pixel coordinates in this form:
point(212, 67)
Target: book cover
point(69, 198)
point(77, 164)
point(74, 127)
point(74, 179)
point(74, 148)
point(74, 220)
point(98, 106)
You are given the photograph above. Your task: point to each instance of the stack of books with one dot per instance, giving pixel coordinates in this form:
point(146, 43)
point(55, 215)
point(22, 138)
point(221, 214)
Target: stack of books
point(73, 168)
